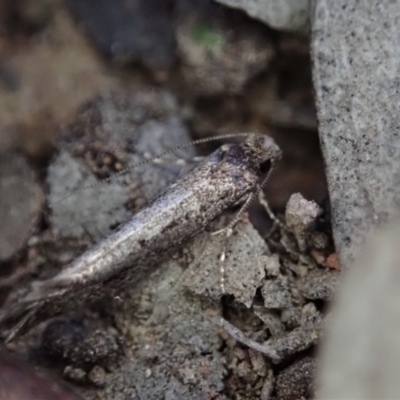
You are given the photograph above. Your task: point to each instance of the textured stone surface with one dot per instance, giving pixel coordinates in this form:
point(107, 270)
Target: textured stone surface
point(361, 354)
point(129, 30)
point(356, 58)
point(296, 381)
point(300, 214)
point(244, 264)
point(21, 201)
point(286, 15)
point(301, 338)
point(221, 49)
point(117, 129)
point(320, 285)
point(172, 343)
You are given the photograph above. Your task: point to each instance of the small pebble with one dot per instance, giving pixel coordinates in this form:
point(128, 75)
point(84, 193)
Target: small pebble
point(300, 215)
point(320, 285)
point(97, 376)
point(74, 374)
point(276, 295)
point(296, 381)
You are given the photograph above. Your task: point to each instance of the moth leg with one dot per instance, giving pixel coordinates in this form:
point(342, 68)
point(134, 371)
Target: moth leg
point(20, 327)
point(277, 222)
point(228, 233)
point(257, 190)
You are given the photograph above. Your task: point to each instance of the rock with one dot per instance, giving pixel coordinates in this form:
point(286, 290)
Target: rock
point(109, 134)
point(300, 214)
point(301, 338)
point(284, 103)
point(244, 264)
point(360, 353)
point(22, 17)
point(71, 343)
point(33, 15)
point(221, 49)
point(285, 15)
point(97, 209)
point(21, 202)
point(268, 386)
point(129, 31)
point(292, 317)
point(296, 381)
point(173, 352)
point(273, 266)
point(258, 363)
point(276, 295)
point(320, 285)
point(77, 375)
point(97, 376)
point(270, 319)
point(355, 57)
point(333, 262)
point(41, 82)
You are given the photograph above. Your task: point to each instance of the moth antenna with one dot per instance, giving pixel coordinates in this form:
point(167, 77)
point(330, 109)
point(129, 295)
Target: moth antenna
point(155, 157)
point(20, 311)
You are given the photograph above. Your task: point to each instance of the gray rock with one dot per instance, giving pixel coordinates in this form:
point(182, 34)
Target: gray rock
point(301, 338)
point(70, 343)
point(292, 317)
point(296, 381)
point(221, 50)
point(356, 57)
point(270, 319)
point(276, 295)
point(173, 353)
point(285, 15)
point(300, 214)
point(21, 202)
point(244, 264)
point(116, 130)
point(129, 31)
point(360, 356)
point(320, 284)
point(268, 386)
point(272, 266)
point(93, 210)
point(76, 375)
point(285, 103)
point(97, 376)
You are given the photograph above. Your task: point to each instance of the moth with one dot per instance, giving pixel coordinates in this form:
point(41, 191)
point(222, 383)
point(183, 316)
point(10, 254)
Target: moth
point(182, 210)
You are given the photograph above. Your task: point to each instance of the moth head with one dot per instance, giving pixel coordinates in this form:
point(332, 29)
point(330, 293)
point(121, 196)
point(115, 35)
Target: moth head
point(264, 150)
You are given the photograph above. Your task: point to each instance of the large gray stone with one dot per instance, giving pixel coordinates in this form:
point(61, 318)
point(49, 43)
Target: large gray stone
point(361, 353)
point(21, 202)
point(356, 77)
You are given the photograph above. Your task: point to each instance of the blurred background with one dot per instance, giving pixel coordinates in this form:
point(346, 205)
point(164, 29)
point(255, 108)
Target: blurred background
point(229, 73)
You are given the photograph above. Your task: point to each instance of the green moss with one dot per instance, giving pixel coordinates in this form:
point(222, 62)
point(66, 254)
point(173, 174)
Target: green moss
point(204, 35)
